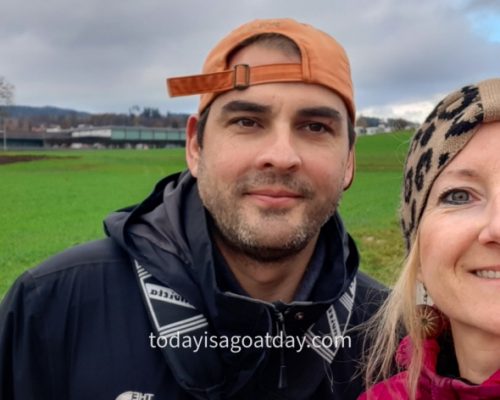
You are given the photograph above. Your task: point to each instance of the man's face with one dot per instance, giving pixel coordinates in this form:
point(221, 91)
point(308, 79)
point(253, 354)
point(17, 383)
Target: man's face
point(274, 162)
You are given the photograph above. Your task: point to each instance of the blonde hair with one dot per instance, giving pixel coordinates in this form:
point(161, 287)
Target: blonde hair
point(397, 316)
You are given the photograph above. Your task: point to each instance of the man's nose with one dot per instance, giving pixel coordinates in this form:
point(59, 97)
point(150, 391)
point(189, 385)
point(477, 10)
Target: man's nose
point(280, 150)
point(490, 231)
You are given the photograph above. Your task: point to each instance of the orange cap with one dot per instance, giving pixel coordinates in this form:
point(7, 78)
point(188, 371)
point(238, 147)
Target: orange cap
point(323, 62)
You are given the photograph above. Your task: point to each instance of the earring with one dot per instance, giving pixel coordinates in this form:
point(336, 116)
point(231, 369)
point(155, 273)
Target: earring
point(432, 321)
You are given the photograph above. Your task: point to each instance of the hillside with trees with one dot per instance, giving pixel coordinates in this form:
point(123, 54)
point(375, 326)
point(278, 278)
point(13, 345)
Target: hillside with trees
point(26, 118)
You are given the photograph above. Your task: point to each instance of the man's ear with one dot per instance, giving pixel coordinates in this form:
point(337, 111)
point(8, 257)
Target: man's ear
point(192, 146)
point(350, 168)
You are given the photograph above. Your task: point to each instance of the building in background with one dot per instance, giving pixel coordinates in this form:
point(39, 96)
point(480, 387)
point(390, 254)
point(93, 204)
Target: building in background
point(109, 137)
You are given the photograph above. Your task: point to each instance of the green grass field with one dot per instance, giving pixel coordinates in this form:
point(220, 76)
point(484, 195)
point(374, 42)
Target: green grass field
point(370, 207)
point(49, 205)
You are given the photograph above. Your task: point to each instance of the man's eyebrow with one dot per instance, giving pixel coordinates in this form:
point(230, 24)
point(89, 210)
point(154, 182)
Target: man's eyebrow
point(324, 112)
point(239, 105)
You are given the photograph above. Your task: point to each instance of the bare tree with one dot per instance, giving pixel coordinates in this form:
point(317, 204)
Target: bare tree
point(6, 99)
point(6, 92)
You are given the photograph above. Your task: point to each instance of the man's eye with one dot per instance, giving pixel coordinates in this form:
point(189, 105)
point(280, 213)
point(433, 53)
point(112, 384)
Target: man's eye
point(456, 196)
point(245, 122)
point(317, 127)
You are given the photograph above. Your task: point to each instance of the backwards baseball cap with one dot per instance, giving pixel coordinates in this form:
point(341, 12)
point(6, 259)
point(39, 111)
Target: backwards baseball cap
point(323, 62)
point(443, 135)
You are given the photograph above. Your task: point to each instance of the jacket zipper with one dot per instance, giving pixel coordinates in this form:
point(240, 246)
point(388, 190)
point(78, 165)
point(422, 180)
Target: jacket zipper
point(280, 328)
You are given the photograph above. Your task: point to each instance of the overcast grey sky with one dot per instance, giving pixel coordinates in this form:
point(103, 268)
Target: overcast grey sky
point(108, 55)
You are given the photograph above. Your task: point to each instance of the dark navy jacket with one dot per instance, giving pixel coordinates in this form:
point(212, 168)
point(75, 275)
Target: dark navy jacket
point(76, 327)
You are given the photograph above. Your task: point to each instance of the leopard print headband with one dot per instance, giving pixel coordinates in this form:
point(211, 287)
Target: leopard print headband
point(439, 139)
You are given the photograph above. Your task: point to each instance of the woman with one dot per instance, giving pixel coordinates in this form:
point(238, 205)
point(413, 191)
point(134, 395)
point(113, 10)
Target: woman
point(451, 223)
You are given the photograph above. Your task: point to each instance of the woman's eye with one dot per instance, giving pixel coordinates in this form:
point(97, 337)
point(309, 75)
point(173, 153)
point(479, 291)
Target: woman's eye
point(456, 196)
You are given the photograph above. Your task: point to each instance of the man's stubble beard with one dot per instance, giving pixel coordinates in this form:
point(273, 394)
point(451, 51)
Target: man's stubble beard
point(238, 234)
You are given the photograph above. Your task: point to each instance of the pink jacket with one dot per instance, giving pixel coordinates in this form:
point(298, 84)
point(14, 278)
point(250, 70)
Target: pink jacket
point(431, 386)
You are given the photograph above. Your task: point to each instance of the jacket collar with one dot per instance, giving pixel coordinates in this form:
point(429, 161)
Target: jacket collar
point(439, 387)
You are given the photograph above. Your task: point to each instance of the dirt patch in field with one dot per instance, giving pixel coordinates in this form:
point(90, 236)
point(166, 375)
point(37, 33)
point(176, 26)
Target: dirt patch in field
point(19, 158)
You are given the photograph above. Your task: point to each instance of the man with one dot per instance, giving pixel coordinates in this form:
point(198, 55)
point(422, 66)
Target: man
point(233, 280)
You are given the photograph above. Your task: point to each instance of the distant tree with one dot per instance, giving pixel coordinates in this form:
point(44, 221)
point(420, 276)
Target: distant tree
point(398, 123)
point(6, 92)
point(367, 122)
point(134, 113)
point(6, 99)
point(134, 110)
point(175, 120)
point(362, 122)
point(150, 113)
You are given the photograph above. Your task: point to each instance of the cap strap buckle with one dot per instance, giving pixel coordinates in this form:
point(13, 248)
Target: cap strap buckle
point(241, 76)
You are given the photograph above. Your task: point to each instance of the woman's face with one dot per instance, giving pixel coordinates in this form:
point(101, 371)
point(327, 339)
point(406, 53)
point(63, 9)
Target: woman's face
point(460, 236)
